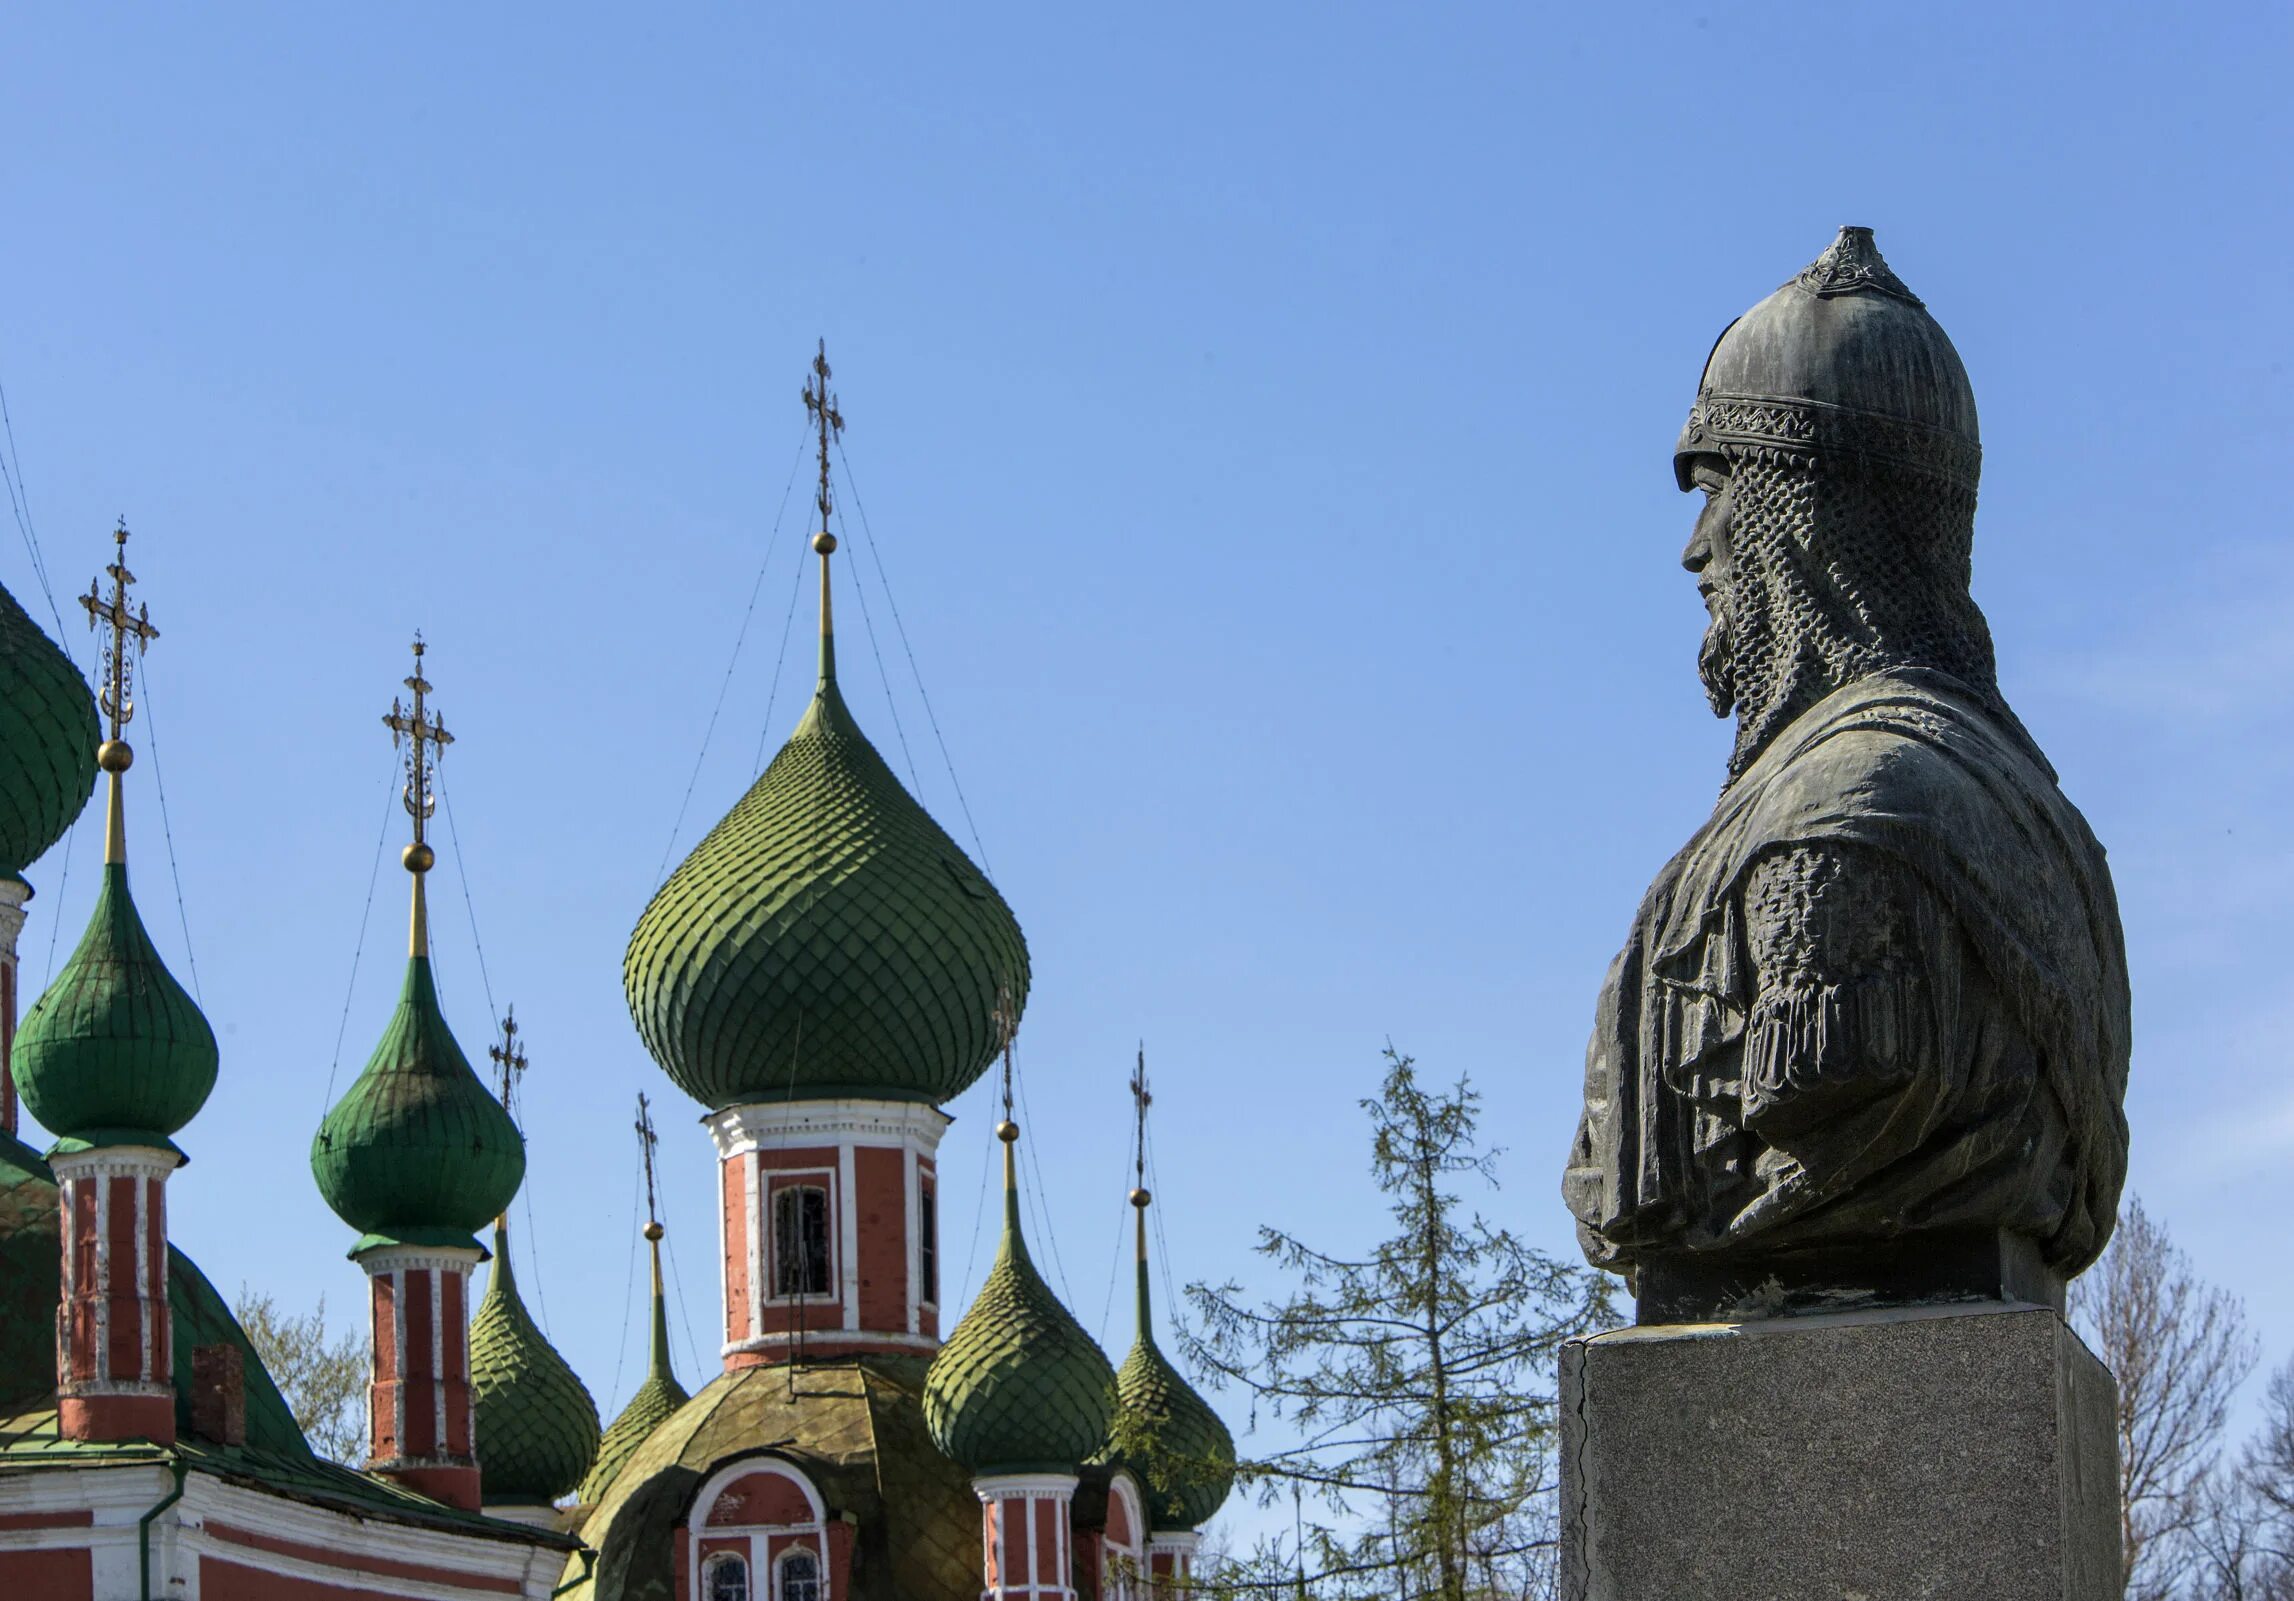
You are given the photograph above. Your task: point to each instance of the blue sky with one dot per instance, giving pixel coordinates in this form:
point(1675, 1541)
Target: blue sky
point(1263, 416)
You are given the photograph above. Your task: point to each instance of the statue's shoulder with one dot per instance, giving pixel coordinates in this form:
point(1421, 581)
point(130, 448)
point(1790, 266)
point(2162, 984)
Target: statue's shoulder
point(1916, 748)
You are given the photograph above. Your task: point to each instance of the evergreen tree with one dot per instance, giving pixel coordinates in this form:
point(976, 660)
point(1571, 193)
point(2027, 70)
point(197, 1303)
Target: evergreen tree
point(1416, 1377)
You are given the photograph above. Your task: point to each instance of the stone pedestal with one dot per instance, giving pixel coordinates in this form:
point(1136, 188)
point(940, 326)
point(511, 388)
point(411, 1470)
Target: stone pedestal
point(1915, 1454)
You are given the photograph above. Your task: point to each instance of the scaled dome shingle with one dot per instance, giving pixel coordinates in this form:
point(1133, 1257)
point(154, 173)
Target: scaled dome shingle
point(537, 1426)
point(826, 938)
point(1019, 1387)
point(417, 1152)
point(1167, 1434)
point(48, 735)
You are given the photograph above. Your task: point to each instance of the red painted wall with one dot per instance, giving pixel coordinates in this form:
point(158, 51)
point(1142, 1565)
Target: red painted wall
point(879, 1177)
point(50, 1575)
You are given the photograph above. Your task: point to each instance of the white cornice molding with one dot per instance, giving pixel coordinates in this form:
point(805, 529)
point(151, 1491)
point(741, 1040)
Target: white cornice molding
point(783, 1125)
point(991, 1487)
point(437, 1258)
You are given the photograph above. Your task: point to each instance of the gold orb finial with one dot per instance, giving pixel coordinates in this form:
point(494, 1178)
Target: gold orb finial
point(1007, 1131)
point(418, 857)
point(653, 1231)
point(115, 756)
point(824, 542)
point(1140, 1197)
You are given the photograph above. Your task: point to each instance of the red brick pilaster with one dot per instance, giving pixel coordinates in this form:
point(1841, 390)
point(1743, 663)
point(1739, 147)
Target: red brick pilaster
point(419, 1401)
point(115, 1336)
point(1026, 1543)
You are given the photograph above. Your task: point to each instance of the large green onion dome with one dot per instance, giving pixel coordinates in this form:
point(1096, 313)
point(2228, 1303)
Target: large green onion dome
point(115, 1053)
point(655, 1401)
point(48, 737)
point(1164, 1432)
point(417, 1152)
point(1019, 1387)
point(827, 938)
point(537, 1426)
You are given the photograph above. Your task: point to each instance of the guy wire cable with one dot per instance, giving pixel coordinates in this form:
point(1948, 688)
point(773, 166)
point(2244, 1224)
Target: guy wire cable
point(922, 693)
point(700, 756)
point(166, 828)
point(365, 917)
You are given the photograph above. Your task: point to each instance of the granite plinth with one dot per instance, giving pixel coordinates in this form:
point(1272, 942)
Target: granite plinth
point(1911, 1454)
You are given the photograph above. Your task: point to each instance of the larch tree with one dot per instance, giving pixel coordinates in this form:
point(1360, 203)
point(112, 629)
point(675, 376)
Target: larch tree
point(1415, 1379)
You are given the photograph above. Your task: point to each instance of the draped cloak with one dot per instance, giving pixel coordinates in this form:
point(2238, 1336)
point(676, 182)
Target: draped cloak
point(1983, 1082)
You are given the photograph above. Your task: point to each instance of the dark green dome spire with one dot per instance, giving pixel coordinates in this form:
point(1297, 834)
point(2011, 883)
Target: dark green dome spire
point(827, 937)
point(48, 737)
point(1164, 1432)
point(1019, 1387)
point(658, 1397)
point(417, 1152)
point(115, 1053)
point(537, 1426)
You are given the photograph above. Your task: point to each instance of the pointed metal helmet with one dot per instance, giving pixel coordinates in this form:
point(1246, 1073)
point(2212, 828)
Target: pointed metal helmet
point(1842, 369)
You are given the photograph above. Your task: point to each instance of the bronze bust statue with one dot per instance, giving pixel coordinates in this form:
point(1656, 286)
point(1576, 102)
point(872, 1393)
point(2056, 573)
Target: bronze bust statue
point(1867, 1042)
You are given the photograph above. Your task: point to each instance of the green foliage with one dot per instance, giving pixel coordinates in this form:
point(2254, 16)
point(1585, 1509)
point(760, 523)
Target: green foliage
point(323, 1379)
point(1416, 1378)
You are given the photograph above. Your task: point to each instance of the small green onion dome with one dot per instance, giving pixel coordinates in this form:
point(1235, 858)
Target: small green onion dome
point(48, 736)
point(417, 1152)
point(827, 938)
point(537, 1426)
point(1167, 1435)
point(1019, 1387)
point(115, 1053)
point(656, 1399)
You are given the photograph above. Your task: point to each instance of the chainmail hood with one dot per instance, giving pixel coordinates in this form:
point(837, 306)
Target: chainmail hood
point(1849, 427)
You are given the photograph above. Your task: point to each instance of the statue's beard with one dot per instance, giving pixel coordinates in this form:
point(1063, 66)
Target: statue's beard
point(1716, 660)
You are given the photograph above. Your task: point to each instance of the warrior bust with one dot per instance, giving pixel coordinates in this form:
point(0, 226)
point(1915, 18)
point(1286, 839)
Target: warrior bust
point(1867, 1043)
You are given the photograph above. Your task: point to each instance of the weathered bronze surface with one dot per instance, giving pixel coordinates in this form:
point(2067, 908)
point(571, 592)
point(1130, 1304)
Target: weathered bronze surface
point(1867, 1042)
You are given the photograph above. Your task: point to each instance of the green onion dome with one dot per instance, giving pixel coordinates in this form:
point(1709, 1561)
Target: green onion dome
point(656, 1399)
point(1019, 1387)
point(115, 1053)
point(537, 1426)
point(1167, 1435)
point(417, 1152)
point(48, 737)
point(827, 938)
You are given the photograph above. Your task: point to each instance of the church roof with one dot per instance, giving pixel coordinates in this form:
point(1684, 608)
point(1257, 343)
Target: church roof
point(417, 1151)
point(275, 1457)
point(854, 1428)
point(826, 938)
point(537, 1426)
point(48, 737)
point(1019, 1387)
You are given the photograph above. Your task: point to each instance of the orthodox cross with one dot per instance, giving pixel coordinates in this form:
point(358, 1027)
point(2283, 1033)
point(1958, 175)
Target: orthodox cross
point(127, 629)
point(646, 1141)
point(509, 1056)
point(426, 737)
point(1140, 1101)
point(820, 406)
point(1007, 1025)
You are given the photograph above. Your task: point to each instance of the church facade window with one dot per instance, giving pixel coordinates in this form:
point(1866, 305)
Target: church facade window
point(725, 1579)
point(801, 1264)
point(797, 1577)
